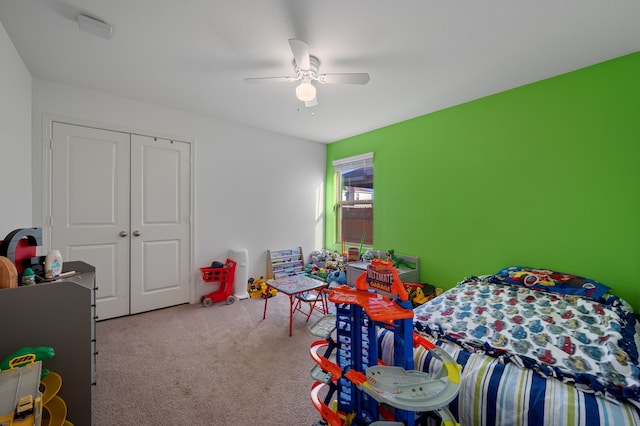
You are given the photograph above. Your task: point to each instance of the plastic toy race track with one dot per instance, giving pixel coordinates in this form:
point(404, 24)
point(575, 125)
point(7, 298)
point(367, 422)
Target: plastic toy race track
point(365, 389)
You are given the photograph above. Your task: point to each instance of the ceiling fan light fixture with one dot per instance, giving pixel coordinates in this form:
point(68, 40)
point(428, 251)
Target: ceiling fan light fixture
point(305, 91)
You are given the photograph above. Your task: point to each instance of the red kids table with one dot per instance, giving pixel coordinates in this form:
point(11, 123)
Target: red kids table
point(292, 286)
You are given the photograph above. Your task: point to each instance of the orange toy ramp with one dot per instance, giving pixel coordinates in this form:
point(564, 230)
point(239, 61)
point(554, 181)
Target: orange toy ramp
point(326, 364)
point(378, 308)
point(333, 418)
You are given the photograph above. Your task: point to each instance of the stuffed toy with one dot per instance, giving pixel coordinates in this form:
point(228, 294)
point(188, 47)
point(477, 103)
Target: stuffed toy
point(337, 277)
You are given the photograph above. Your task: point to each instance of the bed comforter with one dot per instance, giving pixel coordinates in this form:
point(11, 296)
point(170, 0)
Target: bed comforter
point(532, 356)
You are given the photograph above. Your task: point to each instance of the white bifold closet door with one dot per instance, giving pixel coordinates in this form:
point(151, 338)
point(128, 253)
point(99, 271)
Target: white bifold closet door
point(121, 202)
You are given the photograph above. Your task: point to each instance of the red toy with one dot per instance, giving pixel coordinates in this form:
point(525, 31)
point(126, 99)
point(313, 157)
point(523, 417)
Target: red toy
point(224, 276)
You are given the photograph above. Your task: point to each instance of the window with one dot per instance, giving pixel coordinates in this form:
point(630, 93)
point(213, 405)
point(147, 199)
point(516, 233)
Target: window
point(354, 199)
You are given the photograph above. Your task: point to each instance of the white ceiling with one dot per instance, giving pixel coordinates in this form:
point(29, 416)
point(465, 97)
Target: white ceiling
point(422, 55)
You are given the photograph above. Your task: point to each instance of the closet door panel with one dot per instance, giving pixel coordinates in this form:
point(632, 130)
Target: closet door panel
point(160, 223)
point(90, 207)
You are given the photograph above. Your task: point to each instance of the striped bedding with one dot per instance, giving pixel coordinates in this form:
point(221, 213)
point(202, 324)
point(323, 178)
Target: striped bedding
point(494, 393)
point(591, 343)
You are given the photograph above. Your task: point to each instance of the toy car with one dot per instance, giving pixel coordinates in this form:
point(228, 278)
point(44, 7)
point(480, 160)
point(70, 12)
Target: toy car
point(518, 319)
point(535, 326)
point(498, 325)
point(479, 331)
point(25, 405)
point(545, 356)
point(565, 343)
point(518, 332)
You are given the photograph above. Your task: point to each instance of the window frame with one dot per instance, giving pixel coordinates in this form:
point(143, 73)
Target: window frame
point(350, 163)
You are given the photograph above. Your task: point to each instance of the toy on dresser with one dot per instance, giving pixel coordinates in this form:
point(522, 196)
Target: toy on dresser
point(328, 265)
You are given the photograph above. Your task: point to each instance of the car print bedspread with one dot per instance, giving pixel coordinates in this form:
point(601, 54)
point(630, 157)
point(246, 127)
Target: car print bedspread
point(567, 337)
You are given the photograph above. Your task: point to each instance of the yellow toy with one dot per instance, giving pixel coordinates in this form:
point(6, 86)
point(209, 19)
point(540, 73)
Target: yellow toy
point(254, 287)
point(258, 288)
point(416, 294)
point(21, 402)
point(419, 297)
point(271, 291)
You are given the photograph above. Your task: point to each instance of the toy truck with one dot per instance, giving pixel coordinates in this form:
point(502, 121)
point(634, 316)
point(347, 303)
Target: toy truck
point(24, 406)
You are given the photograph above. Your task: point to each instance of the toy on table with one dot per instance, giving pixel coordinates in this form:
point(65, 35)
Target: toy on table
point(397, 261)
point(367, 392)
point(321, 257)
point(8, 273)
point(325, 263)
point(368, 256)
point(316, 271)
point(28, 277)
point(353, 254)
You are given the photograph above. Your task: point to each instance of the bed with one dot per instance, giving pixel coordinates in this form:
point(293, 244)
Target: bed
point(536, 347)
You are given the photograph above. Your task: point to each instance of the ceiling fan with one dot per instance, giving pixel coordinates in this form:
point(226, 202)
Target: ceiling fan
point(306, 67)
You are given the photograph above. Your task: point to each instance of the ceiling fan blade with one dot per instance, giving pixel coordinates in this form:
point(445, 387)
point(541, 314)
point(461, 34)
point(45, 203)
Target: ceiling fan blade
point(254, 80)
point(313, 102)
point(300, 51)
point(344, 78)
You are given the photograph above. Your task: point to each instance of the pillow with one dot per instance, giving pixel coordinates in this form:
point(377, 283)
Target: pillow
point(551, 281)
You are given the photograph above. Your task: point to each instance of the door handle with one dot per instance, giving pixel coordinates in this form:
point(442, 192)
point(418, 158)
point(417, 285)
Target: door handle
point(136, 233)
point(123, 233)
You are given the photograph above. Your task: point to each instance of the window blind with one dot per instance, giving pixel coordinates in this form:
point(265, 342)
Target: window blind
point(355, 162)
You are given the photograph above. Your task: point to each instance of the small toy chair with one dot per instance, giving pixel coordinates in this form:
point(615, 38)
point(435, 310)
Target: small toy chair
point(315, 299)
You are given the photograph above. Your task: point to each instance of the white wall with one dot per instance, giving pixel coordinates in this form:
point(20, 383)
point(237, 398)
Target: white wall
point(253, 189)
point(15, 139)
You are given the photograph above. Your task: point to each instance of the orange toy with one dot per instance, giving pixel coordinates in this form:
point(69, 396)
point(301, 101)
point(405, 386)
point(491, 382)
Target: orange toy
point(383, 277)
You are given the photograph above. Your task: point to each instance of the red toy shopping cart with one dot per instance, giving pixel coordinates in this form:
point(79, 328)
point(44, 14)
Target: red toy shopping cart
point(224, 276)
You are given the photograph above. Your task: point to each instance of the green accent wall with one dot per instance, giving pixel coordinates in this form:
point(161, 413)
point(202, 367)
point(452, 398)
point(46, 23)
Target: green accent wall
point(545, 175)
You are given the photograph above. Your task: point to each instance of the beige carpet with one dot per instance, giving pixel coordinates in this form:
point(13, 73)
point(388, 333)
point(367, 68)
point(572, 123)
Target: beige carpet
point(191, 365)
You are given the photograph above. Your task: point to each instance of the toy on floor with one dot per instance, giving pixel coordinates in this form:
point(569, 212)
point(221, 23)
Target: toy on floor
point(268, 291)
point(223, 275)
point(366, 392)
point(254, 287)
point(417, 293)
point(258, 288)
